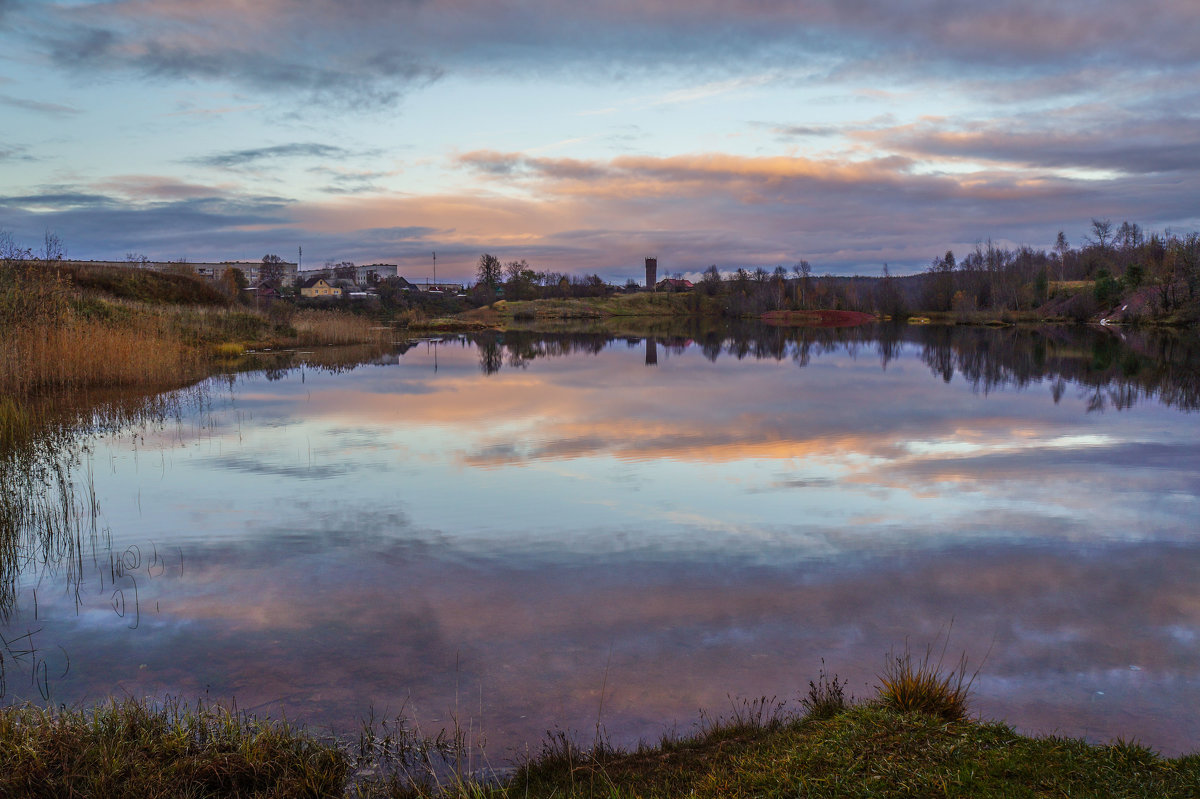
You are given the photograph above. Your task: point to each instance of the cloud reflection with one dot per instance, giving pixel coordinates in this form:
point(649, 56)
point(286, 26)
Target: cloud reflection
point(705, 528)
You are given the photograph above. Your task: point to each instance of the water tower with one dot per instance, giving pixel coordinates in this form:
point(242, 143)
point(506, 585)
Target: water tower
point(651, 273)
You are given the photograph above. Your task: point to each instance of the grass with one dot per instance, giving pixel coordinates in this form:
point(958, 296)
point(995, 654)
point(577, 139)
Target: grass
point(867, 751)
point(133, 749)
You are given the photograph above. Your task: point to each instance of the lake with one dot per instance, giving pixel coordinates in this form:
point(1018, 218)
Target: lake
point(530, 532)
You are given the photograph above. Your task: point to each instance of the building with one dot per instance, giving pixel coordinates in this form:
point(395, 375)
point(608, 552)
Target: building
point(318, 287)
point(369, 274)
point(673, 284)
point(651, 272)
point(441, 288)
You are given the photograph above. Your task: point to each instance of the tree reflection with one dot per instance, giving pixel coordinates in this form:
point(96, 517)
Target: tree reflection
point(1112, 369)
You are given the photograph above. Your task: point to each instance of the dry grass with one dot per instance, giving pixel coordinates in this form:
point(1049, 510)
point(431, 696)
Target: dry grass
point(315, 327)
point(132, 749)
point(79, 355)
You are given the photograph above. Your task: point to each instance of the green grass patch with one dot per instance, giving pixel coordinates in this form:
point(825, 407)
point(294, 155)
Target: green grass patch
point(867, 751)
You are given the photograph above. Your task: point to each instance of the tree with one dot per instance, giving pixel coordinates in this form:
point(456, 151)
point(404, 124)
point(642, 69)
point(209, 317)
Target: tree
point(520, 282)
point(1130, 235)
point(939, 286)
point(488, 273)
point(1041, 287)
point(10, 252)
point(888, 300)
point(1102, 230)
point(1061, 247)
point(52, 248)
point(271, 270)
point(233, 282)
point(803, 271)
point(346, 270)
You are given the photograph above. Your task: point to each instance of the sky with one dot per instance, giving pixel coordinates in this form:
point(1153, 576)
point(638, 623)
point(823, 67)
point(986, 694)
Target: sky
point(585, 137)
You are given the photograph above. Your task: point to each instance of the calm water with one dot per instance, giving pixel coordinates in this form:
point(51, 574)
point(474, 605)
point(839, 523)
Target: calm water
point(503, 528)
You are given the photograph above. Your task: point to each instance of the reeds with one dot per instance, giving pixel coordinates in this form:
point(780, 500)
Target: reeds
point(319, 327)
point(72, 355)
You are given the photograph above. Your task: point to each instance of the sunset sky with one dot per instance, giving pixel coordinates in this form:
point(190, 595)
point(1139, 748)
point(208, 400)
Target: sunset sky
point(583, 137)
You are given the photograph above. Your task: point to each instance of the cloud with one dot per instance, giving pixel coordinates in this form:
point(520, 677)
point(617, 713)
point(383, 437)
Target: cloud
point(233, 159)
point(134, 188)
point(51, 109)
point(167, 218)
point(1110, 140)
point(373, 51)
point(351, 181)
point(602, 215)
point(106, 224)
point(13, 152)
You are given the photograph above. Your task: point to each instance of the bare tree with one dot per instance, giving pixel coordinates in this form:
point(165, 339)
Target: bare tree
point(52, 248)
point(10, 252)
point(271, 270)
point(489, 271)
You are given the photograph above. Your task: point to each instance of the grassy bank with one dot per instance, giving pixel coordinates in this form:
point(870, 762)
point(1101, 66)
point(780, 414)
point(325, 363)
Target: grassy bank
point(65, 331)
point(557, 313)
point(651, 311)
point(829, 748)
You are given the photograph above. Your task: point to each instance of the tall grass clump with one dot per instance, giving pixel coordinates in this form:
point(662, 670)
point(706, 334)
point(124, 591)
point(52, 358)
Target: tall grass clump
point(923, 685)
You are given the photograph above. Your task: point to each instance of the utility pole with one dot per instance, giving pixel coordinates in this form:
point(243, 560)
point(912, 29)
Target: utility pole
point(435, 267)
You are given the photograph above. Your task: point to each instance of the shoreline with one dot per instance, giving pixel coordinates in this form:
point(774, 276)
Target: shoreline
point(911, 743)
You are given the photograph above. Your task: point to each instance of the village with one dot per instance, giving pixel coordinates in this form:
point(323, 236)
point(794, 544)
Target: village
point(273, 278)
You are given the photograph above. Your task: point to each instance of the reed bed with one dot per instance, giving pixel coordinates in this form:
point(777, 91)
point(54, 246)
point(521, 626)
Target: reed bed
point(315, 327)
point(89, 354)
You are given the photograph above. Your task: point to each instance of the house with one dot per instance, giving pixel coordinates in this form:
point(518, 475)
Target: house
point(673, 284)
point(319, 287)
point(440, 288)
point(265, 290)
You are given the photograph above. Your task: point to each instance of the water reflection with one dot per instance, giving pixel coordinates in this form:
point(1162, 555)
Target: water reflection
point(507, 523)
